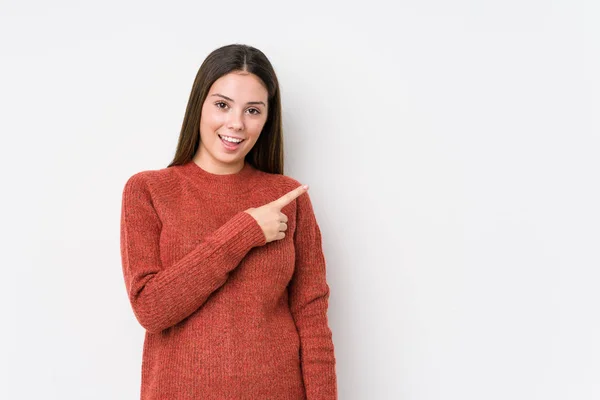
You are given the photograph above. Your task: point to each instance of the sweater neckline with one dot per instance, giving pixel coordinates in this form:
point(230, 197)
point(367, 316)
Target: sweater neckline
point(239, 182)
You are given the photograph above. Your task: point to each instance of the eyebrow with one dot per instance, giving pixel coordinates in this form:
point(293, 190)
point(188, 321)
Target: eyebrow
point(231, 100)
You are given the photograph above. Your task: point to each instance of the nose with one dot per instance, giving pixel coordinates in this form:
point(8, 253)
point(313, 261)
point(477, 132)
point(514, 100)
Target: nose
point(235, 122)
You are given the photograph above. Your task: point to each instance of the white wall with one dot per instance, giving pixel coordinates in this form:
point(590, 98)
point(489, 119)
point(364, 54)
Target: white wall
point(452, 152)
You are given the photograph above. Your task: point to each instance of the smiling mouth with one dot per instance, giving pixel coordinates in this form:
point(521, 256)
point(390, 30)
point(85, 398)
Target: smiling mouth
point(227, 141)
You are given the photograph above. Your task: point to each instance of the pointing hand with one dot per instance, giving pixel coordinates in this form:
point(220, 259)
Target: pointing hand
point(270, 218)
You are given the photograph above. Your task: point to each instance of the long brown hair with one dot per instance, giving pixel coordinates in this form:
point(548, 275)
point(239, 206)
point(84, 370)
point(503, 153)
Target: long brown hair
point(267, 152)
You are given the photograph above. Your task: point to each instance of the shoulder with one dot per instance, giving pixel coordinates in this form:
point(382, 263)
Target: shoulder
point(148, 181)
point(282, 184)
point(279, 182)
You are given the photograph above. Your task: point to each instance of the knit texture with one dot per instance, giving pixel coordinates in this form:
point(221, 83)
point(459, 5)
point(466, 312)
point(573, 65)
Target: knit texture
point(227, 315)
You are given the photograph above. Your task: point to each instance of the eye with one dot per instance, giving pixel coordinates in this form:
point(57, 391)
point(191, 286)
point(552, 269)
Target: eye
point(254, 111)
point(221, 104)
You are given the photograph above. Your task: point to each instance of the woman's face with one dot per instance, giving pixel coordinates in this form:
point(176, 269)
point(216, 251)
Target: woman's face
point(235, 108)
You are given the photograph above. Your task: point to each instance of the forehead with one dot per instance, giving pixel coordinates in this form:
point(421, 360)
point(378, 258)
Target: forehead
point(245, 86)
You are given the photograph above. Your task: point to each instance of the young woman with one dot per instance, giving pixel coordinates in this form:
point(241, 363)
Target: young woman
point(222, 255)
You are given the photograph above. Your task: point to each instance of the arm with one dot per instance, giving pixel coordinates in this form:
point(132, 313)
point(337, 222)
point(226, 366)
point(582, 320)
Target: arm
point(162, 297)
point(308, 296)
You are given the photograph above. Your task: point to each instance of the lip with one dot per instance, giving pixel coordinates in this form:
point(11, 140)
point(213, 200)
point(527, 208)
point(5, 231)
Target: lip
point(231, 136)
point(230, 147)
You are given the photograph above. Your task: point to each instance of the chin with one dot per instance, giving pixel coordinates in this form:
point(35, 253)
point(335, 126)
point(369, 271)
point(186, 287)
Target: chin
point(230, 159)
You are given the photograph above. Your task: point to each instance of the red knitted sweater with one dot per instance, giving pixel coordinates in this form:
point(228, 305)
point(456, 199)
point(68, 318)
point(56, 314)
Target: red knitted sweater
point(227, 315)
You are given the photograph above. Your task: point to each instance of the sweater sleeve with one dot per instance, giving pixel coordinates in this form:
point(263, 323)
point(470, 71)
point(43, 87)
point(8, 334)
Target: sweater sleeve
point(162, 297)
point(308, 296)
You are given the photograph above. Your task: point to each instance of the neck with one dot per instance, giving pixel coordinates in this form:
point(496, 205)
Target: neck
point(213, 167)
point(237, 183)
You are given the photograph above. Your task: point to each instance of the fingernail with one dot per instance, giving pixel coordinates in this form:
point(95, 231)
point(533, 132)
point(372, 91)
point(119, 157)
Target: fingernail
point(305, 186)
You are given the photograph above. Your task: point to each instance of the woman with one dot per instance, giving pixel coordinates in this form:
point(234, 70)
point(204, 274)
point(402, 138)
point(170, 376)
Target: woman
point(221, 252)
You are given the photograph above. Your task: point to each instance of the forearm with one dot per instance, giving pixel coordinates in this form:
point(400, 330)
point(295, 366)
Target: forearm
point(162, 297)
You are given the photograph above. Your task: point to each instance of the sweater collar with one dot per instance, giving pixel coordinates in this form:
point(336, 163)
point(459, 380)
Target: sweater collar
point(240, 182)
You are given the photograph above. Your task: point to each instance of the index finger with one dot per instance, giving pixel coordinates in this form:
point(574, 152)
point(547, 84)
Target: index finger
point(289, 197)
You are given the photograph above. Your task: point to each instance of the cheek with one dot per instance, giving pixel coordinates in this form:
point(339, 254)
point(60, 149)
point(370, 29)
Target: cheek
point(211, 120)
point(256, 126)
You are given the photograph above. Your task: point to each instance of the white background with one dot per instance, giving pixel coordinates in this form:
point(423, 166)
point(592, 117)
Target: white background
point(452, 150)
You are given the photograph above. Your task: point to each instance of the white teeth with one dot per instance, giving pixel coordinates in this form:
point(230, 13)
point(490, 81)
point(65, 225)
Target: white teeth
point(229, 139)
